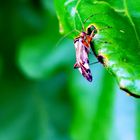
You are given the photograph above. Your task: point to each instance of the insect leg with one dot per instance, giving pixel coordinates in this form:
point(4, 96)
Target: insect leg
point(94, 63)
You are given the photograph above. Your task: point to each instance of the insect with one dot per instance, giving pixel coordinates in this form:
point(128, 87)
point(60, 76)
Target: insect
point(82, 46)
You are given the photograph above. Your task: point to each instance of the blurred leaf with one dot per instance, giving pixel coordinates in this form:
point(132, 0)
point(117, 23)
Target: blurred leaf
point(38, 58)
point(138, 121)
point(30, 110)
point(49, 5)
point(42, 55)
point(26, 109)
point(120, 60)
point(1, 66)
point(94, 105)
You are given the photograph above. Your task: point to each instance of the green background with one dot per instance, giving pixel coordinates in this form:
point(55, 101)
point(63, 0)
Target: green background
point(41, 96)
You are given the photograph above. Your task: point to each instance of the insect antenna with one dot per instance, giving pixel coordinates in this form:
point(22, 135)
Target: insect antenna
point(82, 23)
point(92, 16)
point(83, 28)
point(63, 37)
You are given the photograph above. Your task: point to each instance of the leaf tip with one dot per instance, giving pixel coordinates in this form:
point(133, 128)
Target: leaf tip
point(130, 93)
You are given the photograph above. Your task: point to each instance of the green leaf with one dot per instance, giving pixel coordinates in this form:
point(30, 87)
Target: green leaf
point(117, 39)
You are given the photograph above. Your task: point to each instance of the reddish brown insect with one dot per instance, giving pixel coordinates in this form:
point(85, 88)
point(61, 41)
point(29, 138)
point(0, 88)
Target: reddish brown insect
point(82, 45)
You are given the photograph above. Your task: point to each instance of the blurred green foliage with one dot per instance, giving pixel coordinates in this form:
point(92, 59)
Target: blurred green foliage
point(41, 96)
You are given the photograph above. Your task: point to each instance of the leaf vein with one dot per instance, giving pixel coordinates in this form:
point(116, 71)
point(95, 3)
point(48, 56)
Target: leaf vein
point(131, 21)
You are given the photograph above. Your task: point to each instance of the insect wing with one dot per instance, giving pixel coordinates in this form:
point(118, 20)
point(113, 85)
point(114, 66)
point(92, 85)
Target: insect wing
point(85, 71)
point(82, 62)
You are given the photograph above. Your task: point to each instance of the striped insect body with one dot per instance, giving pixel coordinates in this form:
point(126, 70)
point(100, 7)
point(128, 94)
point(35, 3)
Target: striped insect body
point(82, 48)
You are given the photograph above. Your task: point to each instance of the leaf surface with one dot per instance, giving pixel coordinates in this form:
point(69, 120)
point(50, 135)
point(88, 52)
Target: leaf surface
point(117, 39)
